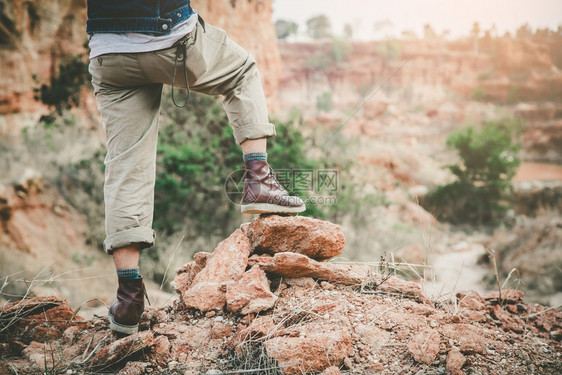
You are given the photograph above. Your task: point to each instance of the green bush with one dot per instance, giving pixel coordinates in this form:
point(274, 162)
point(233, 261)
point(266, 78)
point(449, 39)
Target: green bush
point(63, 90)
point(324, 102)
point(318, 27)
point(340, 50)
point(390, 49)
point(483, 176)
point(284, 29)
point(197, 153)
point(478, 94)
point(318, 60)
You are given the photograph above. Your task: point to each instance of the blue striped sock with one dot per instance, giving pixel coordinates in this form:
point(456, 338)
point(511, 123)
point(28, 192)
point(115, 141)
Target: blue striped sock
point(255, 156)
point(129, 273)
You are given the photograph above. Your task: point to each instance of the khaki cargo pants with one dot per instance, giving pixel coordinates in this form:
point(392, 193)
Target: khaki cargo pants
point(128, 90)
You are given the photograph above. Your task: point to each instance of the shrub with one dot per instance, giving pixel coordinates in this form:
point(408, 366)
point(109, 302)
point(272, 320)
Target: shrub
point(284, 29)
point(196, 155)
point(324, 101)
point(483, 177)
point(319, 60)
point(340, 50)
point(318, 27)
point(390, 49)
point(63, 90)
point(478, 94)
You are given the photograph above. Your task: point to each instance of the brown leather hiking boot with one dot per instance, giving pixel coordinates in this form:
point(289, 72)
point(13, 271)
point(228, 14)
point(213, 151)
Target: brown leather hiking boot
point(124, 314)
point(263, 194)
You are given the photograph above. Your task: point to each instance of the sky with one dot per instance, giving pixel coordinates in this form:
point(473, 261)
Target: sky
point(457, 16)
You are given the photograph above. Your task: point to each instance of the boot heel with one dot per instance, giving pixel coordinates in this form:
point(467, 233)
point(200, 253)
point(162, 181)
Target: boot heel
point(122, 328)
point(125, 313)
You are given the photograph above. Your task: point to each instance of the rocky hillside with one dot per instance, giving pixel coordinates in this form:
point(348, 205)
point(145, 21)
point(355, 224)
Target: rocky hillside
point(509, 71)
point(267, 301)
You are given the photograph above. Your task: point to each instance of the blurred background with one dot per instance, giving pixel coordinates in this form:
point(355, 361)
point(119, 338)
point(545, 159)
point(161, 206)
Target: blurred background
point(431, 131)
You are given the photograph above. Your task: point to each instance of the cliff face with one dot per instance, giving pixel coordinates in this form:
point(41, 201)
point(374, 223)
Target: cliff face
point(421, 66)
point(35, 35)
point(424, 71)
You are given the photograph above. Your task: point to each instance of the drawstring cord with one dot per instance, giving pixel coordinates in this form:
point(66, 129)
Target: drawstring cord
point(181, 52)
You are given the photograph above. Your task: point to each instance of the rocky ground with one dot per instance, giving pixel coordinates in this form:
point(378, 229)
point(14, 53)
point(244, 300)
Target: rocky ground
point(267, 301)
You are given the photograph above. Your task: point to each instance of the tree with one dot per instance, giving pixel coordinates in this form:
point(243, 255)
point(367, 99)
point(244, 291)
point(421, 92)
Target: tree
point(428, 32)
point(64, 88)
point(340, 50)
point(319, 27)
point(483, 176)
point(487, 41)
point(348, 31)
point(524, 32)
point(409, 34)
point(284, 29)
point(475, 35)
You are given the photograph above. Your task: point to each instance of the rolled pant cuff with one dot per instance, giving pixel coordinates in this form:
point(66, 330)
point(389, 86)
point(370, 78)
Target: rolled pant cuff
point(143, 235)
point(254, 131)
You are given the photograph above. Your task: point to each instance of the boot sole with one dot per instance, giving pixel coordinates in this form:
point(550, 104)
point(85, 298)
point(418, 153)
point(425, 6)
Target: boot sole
point(122, 328)
point(268, 208)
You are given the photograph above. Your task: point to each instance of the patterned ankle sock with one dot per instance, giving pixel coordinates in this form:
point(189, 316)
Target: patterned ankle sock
point(129, 273)
point(255, 156)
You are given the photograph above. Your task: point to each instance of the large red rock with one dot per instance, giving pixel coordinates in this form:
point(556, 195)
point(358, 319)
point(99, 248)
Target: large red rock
point(43, 355)
point(30, 306)
point(250, 294)
point(471, 300)
point(508, 321)
point(122, 349)
point(40, 319)
point(294, 265)
point(186, 273)
point(260, 327)
point(314, 238)
point(424, 346)
point(468, 338)
point(227, 264)
point(298, 265)
point(161, 350)
point(333, 370)
point(507, 295)
point(318, 347)
point(455, 361)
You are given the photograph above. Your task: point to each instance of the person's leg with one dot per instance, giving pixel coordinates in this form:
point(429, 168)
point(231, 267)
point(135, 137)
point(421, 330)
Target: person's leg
point(129, 106)
point(127, 257)
point(218, 66)
point(251, 146)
